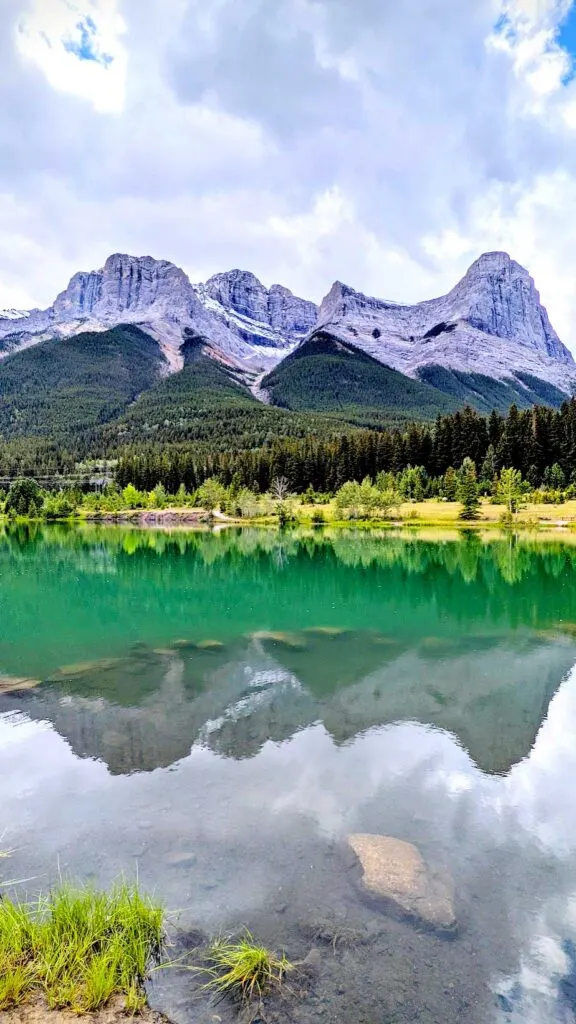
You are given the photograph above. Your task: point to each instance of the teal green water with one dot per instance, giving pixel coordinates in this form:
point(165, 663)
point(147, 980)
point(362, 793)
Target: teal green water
point(91, 593)
point(219, 710)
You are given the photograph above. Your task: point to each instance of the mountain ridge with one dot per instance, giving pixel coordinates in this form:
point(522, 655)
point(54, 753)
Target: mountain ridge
point(495, 302)
point(158, 297)
point(488, 341)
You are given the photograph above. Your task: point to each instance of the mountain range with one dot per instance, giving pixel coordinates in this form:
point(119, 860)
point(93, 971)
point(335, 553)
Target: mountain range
point(137, 343)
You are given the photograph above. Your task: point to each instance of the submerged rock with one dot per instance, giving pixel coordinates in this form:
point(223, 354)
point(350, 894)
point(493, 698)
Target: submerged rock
point(329, 631)
point(180, 859)
point(12, 684)
point(395, 874)
point(209, 645)
point(292, 640)
point(84, 668)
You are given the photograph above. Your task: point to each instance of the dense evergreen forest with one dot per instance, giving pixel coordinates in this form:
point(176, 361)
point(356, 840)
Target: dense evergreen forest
point(533, 441)
point(330, 376)
point(203, 422)
point(64, 389)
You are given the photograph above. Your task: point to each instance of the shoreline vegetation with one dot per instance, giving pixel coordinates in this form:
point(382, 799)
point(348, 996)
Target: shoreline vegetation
point(512, 470)
point(77, 950)
point(389, 502)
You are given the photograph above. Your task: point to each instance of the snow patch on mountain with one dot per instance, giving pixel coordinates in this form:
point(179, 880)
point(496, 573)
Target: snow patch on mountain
point(13, 314)
point(244, 323)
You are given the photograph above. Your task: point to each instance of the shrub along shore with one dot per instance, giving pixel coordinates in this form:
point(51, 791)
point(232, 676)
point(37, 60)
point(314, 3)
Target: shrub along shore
point(79, 951)
point(409, 498)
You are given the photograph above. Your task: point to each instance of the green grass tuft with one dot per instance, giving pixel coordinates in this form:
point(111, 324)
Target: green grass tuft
point(78, 947)
point(245, 969)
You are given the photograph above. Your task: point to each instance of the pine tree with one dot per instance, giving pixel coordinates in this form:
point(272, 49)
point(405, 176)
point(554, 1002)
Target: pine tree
point(509, 491)
point(450, 484)
point(468, 491)
point(488, 469)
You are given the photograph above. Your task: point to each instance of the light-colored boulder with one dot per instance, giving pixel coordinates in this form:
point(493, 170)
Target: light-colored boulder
point(281, 639)
point(395, 874)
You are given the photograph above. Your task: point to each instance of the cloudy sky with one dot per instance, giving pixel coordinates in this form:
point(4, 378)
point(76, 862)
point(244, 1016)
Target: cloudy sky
point(381, 142)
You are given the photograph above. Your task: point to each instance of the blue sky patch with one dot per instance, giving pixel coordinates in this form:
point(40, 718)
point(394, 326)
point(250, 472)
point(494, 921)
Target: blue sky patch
point(567, 33)
point(85, 44)
point(566, 38)
point(502, 24)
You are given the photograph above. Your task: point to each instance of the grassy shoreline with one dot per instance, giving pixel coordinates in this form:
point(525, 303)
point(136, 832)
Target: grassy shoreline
point(410, 516)
point(77, 949)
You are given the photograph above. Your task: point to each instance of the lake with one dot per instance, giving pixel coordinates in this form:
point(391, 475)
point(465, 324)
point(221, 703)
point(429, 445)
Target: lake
point(218, 712)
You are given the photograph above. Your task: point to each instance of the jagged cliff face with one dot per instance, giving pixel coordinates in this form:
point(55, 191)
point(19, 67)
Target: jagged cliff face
point(125, 286)
point(242, 322)
point(491, 323)
point(262, 317)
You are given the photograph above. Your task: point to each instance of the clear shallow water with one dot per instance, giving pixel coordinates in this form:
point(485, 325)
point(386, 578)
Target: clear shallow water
point(423, 690)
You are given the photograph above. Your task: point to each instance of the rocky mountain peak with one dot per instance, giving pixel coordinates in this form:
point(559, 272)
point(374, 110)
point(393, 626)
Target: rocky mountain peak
point(124, 285)
point(498, 297)
point(334, 303)
point(491, 323)
point(242, 291)
point(266, 317)
point(492, 262)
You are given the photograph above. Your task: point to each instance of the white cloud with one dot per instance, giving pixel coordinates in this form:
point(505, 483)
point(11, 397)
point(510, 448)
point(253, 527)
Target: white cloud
point(531, 224)
point(384, 144)
point(77, 44)
point(527, 34)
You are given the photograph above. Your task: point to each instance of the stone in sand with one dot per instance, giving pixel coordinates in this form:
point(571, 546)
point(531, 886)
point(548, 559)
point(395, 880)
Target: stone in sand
point(395, 874)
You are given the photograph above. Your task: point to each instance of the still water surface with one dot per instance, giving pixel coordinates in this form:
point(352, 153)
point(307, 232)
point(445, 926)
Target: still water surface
point(219, 711)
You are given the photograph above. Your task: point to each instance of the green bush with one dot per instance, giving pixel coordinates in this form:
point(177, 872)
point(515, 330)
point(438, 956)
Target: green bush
point(552, 497)
point(211, 494)
point(364, 501)
point(59, 506)
point(25, 498)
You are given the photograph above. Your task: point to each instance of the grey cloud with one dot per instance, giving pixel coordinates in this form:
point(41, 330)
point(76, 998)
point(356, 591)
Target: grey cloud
point(423, 124)
point(242, 111)
point(259, 61)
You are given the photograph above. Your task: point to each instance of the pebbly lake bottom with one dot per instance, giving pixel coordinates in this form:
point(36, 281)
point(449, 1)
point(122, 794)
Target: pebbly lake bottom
point(218, 715)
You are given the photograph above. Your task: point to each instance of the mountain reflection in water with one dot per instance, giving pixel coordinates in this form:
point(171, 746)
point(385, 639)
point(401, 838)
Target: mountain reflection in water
point(222, 711)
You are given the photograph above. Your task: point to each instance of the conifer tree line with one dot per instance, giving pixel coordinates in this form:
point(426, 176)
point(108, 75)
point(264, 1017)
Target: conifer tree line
point(539, 443)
